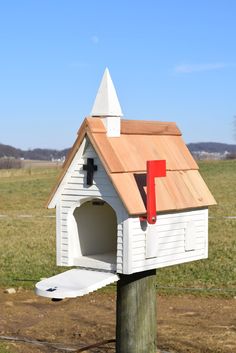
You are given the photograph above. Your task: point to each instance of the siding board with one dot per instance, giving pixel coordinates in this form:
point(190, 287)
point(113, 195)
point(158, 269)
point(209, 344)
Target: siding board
point(168, 258)
point(169, 240)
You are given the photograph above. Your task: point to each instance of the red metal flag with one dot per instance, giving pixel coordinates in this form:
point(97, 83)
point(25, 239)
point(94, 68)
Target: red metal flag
point(155, 169)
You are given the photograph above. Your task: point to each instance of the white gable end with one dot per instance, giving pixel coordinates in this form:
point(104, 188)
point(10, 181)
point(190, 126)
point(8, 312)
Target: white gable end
point(74, 182)
point(72, 193)
point(75, 185)
point(57, 195)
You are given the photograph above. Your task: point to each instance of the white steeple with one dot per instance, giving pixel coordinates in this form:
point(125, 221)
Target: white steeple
point(107, 106)
point(106, 102)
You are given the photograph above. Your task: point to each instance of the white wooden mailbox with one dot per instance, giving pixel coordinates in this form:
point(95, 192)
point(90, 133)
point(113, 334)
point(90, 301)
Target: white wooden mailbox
point(103, 202)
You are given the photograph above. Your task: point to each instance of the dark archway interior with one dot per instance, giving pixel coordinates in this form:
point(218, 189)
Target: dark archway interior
point(97, 227)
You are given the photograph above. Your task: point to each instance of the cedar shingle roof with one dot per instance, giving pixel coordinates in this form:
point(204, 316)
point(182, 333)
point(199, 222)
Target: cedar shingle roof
point(125, 157)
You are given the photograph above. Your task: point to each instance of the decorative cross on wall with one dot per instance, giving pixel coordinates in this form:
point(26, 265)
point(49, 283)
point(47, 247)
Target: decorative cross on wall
point(90, 167)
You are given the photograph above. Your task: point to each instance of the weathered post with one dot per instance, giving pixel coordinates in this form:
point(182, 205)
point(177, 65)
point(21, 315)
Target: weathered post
point(136, 313)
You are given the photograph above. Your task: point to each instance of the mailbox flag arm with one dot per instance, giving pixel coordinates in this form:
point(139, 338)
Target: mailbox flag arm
point(155, 169)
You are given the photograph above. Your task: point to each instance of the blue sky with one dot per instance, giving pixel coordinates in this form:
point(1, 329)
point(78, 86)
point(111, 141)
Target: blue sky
point(170, 60)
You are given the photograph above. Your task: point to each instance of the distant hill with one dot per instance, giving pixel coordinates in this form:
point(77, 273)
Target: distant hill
point(211, 147)
point(49, 154)
point(34, 154)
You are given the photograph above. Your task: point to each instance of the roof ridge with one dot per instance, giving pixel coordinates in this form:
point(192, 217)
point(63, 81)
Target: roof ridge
point(148, 127)
point(135, 127)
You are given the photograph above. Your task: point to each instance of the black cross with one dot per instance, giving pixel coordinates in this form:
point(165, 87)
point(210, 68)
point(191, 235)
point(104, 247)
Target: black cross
point(90, 167)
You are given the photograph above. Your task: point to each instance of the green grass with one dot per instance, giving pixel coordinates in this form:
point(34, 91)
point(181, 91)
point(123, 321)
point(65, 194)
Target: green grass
point(25, 190)
point(220, 177)
point(219, 270)
point(27, 248)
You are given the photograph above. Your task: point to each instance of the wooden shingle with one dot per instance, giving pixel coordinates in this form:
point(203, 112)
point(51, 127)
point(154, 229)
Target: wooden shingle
point(124, 159)
point(129, 153)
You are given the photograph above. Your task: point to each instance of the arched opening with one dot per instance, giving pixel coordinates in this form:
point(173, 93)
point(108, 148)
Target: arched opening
point(96, 225)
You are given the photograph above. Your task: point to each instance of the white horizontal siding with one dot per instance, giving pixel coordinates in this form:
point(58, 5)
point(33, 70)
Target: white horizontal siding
point(143, 265)
point(72, 190)
point(168, 238)
point(119, 257)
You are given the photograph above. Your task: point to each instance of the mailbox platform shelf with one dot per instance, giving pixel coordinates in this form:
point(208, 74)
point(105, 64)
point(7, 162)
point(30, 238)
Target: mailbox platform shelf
point(74, 283)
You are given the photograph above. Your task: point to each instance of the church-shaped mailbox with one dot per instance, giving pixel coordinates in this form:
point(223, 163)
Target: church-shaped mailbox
point(113, 216)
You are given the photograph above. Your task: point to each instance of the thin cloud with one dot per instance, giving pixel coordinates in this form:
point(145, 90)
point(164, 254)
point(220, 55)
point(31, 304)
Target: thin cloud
point(188, 69)
point(95, 39)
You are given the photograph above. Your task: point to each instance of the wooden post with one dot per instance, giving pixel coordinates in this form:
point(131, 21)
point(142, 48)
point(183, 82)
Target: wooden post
point(136, 313)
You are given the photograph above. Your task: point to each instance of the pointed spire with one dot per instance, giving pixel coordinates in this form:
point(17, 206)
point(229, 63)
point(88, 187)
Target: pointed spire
point(106, 102)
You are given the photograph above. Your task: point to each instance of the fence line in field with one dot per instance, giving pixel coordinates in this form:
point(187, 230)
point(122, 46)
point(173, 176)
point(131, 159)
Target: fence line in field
point(198, 289)
point(2, 216)
point(60, 346)
point(169, 288)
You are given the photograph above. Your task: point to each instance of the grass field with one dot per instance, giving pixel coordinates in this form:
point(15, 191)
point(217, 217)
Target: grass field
point(27, 232)
point(219, 270)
